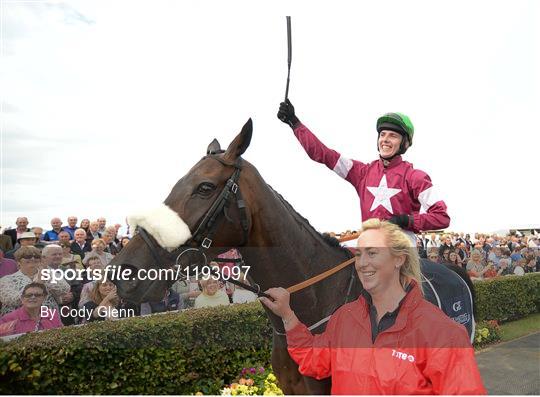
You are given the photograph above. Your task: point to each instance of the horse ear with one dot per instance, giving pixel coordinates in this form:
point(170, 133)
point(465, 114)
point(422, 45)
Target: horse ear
point(214, 147)
point(239, 144)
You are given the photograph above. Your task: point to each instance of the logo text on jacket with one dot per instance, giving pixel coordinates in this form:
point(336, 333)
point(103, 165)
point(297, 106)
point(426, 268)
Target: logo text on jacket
point(403, 356)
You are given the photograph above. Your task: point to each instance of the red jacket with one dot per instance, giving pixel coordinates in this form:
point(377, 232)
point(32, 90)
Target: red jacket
point(424, 352)
point(383, 191)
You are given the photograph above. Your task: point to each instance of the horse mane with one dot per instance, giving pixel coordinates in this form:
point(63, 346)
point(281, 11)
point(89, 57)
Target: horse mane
point(328, 240)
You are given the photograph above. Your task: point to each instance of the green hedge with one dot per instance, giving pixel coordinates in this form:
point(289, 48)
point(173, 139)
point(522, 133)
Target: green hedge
point(507, 298)
point(183, 353)
point(171, 353)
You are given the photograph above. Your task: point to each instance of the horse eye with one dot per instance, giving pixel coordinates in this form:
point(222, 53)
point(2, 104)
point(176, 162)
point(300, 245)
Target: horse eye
point(205, 188)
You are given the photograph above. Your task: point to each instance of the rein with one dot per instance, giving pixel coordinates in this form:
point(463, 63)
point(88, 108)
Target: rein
point(313, 280)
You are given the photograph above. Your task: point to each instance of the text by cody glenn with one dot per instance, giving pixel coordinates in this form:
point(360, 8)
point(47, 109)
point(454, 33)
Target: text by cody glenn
point(238, 273)
point(86, 313)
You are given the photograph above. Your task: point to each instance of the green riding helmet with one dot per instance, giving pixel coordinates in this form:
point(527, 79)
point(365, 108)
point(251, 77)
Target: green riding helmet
point(397, 122)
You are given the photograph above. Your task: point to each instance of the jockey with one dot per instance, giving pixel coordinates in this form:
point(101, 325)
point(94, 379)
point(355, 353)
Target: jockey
point(389, 188)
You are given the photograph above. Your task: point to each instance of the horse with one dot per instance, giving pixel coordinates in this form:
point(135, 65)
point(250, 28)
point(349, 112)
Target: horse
point(224, 202)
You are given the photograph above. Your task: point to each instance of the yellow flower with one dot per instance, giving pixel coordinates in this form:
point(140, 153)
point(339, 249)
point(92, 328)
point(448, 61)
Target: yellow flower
point(199, 394)
point(484, 332)
point(271, 377)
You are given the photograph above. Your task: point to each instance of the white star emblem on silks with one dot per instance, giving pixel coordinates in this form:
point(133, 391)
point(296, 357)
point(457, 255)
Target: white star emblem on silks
point(382, 194)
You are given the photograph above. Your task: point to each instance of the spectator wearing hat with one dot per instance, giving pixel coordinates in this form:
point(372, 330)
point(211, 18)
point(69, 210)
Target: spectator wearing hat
point(80, 246)
point(22, 226)
point(52, 235)
point(30, 270)
point(26, 239)
point(7, 266)
point(71, 227)
point(29, 317)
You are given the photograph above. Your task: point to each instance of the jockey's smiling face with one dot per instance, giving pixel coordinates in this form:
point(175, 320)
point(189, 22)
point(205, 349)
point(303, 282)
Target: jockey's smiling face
point(389, 142)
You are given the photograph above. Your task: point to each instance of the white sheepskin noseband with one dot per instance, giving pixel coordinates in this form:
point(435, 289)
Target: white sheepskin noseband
point(164, 224)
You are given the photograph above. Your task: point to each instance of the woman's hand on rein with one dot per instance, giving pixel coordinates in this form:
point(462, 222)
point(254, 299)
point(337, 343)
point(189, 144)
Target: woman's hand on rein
point(280, 306)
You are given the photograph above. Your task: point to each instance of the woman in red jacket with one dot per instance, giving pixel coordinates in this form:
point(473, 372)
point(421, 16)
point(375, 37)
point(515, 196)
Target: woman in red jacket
point(390, 340)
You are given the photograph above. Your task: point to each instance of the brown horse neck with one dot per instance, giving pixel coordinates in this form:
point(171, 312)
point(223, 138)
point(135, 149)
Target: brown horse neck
point(283, 249)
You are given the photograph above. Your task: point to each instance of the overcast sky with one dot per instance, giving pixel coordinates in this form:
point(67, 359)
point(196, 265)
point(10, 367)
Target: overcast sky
point(105, 105)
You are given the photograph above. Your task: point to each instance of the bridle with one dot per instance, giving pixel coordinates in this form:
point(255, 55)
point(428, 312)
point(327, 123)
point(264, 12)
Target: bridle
point(202, 239)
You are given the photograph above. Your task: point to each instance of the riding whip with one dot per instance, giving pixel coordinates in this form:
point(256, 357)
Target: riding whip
point(289, 45)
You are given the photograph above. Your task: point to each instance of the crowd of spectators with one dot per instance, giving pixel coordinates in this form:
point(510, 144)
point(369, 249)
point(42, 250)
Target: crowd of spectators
point(484, 255)
point(25, 252)
point(29, 301)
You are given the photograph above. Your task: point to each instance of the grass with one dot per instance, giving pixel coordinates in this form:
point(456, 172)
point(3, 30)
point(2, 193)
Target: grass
point(522, 327)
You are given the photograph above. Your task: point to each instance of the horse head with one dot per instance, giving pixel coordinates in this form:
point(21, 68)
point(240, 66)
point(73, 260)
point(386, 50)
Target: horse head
point(185, 220)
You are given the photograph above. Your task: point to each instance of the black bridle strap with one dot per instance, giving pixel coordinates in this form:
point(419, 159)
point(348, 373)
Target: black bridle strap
point(217, 207)
point(144, 234)
point(240, 203)
point(208, 221)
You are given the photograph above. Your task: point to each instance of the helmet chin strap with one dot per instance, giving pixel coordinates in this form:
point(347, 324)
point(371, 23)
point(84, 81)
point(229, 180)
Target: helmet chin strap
point(387, 160)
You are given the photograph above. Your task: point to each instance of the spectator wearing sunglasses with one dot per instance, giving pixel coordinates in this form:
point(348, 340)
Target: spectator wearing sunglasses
point(29, 317)
point(30, 266)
